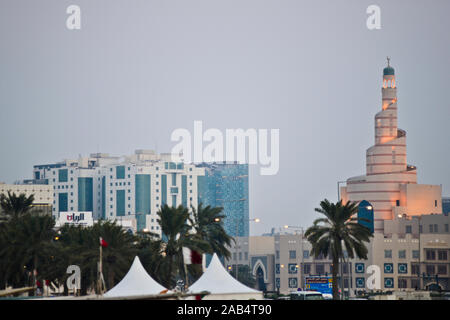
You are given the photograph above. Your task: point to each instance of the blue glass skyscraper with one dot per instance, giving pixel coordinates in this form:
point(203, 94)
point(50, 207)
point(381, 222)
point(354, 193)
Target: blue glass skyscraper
point(226, 185)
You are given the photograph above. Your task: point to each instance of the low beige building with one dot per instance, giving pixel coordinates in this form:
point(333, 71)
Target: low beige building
point(43, 194)
point(412, 253)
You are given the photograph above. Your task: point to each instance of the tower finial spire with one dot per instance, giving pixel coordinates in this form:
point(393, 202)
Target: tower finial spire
point(388, 60)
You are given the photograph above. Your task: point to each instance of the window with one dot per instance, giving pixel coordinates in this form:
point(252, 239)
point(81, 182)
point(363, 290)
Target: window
point(435, 203)
point(388, 254)
point(293, 282)
point(240, 256)
point(388, 282)
point(442, 269)
point(402, 283)
point(359, 267)
point(174, 179)
point(245, 255)
point(442, 255)
point(345, 268)
point(174, 200)
point(277, 254)
point(430, 269)
point(416, 254)
point(430, 228)
point(431, 255)
point(360, 282)
point(277, 268)
point(320, 268)
point(397, 203)
point(435, 228)
point(446, 227)
point(415, 268)
point(306, 254)
point(402, 268)
point(388, 268)
point(292, 254)
point(345, 282)
point(408, 229)
point(292, 268)
point(402, 254)
point(307, 268)
point(62, 175)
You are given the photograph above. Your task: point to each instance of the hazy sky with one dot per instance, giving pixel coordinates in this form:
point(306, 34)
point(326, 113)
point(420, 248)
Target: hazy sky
point(137, 70)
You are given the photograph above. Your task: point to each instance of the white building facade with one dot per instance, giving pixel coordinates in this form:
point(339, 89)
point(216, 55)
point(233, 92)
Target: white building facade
point(128, 188)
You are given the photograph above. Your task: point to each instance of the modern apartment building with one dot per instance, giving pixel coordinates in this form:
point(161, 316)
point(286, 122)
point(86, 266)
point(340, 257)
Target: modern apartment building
point(121, 188)
point(226, 185)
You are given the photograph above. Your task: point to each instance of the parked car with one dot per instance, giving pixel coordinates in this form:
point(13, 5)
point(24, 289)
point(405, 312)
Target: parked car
point(327, 296)
point(306, 295)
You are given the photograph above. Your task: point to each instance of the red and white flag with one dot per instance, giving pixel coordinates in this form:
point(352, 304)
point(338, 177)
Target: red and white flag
point(191, 256)
point(103, 243)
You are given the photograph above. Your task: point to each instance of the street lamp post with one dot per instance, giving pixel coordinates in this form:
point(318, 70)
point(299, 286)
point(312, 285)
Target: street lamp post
point(420, 253)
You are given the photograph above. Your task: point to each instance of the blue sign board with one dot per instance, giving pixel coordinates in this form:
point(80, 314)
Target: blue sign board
point(318, 283)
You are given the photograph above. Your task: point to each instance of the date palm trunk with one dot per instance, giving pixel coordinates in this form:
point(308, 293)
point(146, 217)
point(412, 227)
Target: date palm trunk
point(335, 280)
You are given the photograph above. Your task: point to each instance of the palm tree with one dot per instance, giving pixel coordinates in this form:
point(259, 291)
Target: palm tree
point(208, 225)
point(176, 234)
point(119, 253)
point(81, 247)
point(14, 206)
point(338, 228)
point(150, 249)
point(25, 243)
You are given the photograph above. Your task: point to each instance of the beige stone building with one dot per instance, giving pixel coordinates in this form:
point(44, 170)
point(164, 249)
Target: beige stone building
point(43, 194)
point(411, 253)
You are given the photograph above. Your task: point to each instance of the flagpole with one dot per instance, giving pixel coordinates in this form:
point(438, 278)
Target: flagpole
point(185, 276)
point(100, 270)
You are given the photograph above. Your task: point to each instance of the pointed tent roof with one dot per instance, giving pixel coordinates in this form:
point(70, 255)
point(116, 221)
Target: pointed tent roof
point(217, 280)
point(136, 282)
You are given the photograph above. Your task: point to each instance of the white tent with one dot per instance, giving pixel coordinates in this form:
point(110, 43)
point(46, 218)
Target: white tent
point(137, 282)
point(222, 285)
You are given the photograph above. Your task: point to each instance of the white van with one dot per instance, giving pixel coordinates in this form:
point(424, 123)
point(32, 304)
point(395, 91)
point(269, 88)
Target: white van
point(306, 295)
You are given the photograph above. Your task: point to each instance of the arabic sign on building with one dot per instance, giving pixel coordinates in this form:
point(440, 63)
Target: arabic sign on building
point(321, 284)
point(76, 218)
